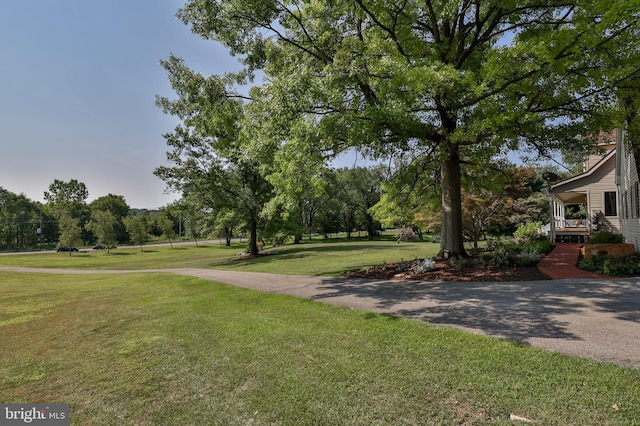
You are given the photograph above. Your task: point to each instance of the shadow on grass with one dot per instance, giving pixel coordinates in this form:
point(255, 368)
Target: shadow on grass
point(371, 246)
point(344, 240)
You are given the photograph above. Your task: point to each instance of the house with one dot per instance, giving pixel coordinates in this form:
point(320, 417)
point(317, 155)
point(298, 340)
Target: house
point(596, 189)
point(628, 189)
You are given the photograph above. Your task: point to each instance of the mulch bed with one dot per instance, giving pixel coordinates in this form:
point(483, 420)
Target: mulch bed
point(444, 271)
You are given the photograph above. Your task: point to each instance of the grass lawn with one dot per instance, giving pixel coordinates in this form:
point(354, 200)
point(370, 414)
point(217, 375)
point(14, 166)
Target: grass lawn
point(163, 349)
point(318, 257)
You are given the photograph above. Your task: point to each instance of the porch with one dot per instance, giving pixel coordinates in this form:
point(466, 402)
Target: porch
point(570, 230)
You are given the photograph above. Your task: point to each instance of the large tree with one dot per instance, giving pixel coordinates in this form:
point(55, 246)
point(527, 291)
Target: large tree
point(69, 200)
point(208, 150)
point(70, 229)
point(117, 205)
point(138, 229)
point(103, 225)
point(67, 192)
point(456, 80)
point(359, 191)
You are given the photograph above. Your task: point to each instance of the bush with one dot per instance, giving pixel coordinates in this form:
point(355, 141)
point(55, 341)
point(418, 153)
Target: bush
point(538, 245)
point(527, 259)
point(613, 265)
point(406, 234)
point(528, 230)
point(594, 264)
point(525, 251)
point(606, 237)
point(425, 265)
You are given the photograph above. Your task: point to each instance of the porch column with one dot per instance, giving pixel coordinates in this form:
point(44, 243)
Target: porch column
point(552, 219)
point(559, 215)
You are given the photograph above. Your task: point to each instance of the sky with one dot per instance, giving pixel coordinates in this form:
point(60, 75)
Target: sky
point(78, 82)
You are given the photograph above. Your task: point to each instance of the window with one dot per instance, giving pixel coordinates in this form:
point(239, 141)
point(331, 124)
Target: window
point(610, 204)
point(625, 205)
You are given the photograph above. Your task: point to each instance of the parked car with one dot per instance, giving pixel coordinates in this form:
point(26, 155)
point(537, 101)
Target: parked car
point(65, 248)
point(103, 247)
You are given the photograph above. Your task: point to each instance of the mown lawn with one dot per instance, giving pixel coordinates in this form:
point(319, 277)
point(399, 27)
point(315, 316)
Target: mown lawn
point(324, 257)
point(164, 349)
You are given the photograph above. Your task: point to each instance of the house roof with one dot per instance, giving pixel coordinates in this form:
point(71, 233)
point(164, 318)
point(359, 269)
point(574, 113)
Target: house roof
point(585, 175)
point(565, 189)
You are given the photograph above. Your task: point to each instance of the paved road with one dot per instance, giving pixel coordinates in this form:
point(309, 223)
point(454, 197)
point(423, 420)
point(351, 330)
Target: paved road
point(596, 319)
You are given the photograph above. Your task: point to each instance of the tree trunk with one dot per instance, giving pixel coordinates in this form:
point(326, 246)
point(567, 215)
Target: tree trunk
point(298, 234)
point(452, 243)
point(228, 235)
point(253, 240)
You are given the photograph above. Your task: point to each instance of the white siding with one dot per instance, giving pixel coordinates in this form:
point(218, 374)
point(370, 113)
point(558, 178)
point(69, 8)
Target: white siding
point(629, 184)
point(594, 186)
point(604, 182)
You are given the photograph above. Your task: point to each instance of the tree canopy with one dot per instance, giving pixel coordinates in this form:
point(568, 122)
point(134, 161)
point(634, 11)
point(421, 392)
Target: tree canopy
point(208, 150)
point(458, 81)
point(67, 192)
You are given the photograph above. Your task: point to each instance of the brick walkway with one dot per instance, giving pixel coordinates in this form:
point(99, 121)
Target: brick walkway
point(562, 263)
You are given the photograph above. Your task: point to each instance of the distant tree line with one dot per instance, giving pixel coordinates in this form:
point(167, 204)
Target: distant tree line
point(352, 202)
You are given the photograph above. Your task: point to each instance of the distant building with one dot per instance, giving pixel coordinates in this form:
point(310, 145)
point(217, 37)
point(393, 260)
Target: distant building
point(145, 212)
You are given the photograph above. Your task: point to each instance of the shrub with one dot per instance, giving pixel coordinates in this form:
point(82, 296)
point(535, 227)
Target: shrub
point(528, 230)
point(424, 265)
point(475, 251)
point(606, 237)
point(621, 265)
point(527, 259)
point(594, 264)
point(402, 266)
point(613, 265)
point(537, 245)
point(406, 234)
point(501, 258)
point(458, 263)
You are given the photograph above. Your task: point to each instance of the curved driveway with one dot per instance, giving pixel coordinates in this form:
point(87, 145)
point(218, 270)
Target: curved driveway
point(596, 319)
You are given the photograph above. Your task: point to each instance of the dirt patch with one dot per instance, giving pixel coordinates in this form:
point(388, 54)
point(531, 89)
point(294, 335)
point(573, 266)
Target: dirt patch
point(467, 270)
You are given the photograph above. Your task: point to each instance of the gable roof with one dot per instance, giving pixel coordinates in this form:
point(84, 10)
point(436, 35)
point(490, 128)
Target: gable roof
point(583, 176)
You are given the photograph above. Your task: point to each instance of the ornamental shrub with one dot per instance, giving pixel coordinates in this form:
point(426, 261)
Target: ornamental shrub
point(406, 234)
point(613, 265)
point(528, 230)
point(425, 265)
point(606, 237)
point(537, 245)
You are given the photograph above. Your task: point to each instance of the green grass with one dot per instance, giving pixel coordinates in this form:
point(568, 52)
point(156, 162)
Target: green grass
point(163, 349)
point(329, 257)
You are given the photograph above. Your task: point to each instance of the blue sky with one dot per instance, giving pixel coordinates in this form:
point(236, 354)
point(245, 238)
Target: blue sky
point(78, 81)
point(78, 86)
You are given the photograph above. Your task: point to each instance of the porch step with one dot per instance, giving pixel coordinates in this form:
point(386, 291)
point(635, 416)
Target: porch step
point(572, 239)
